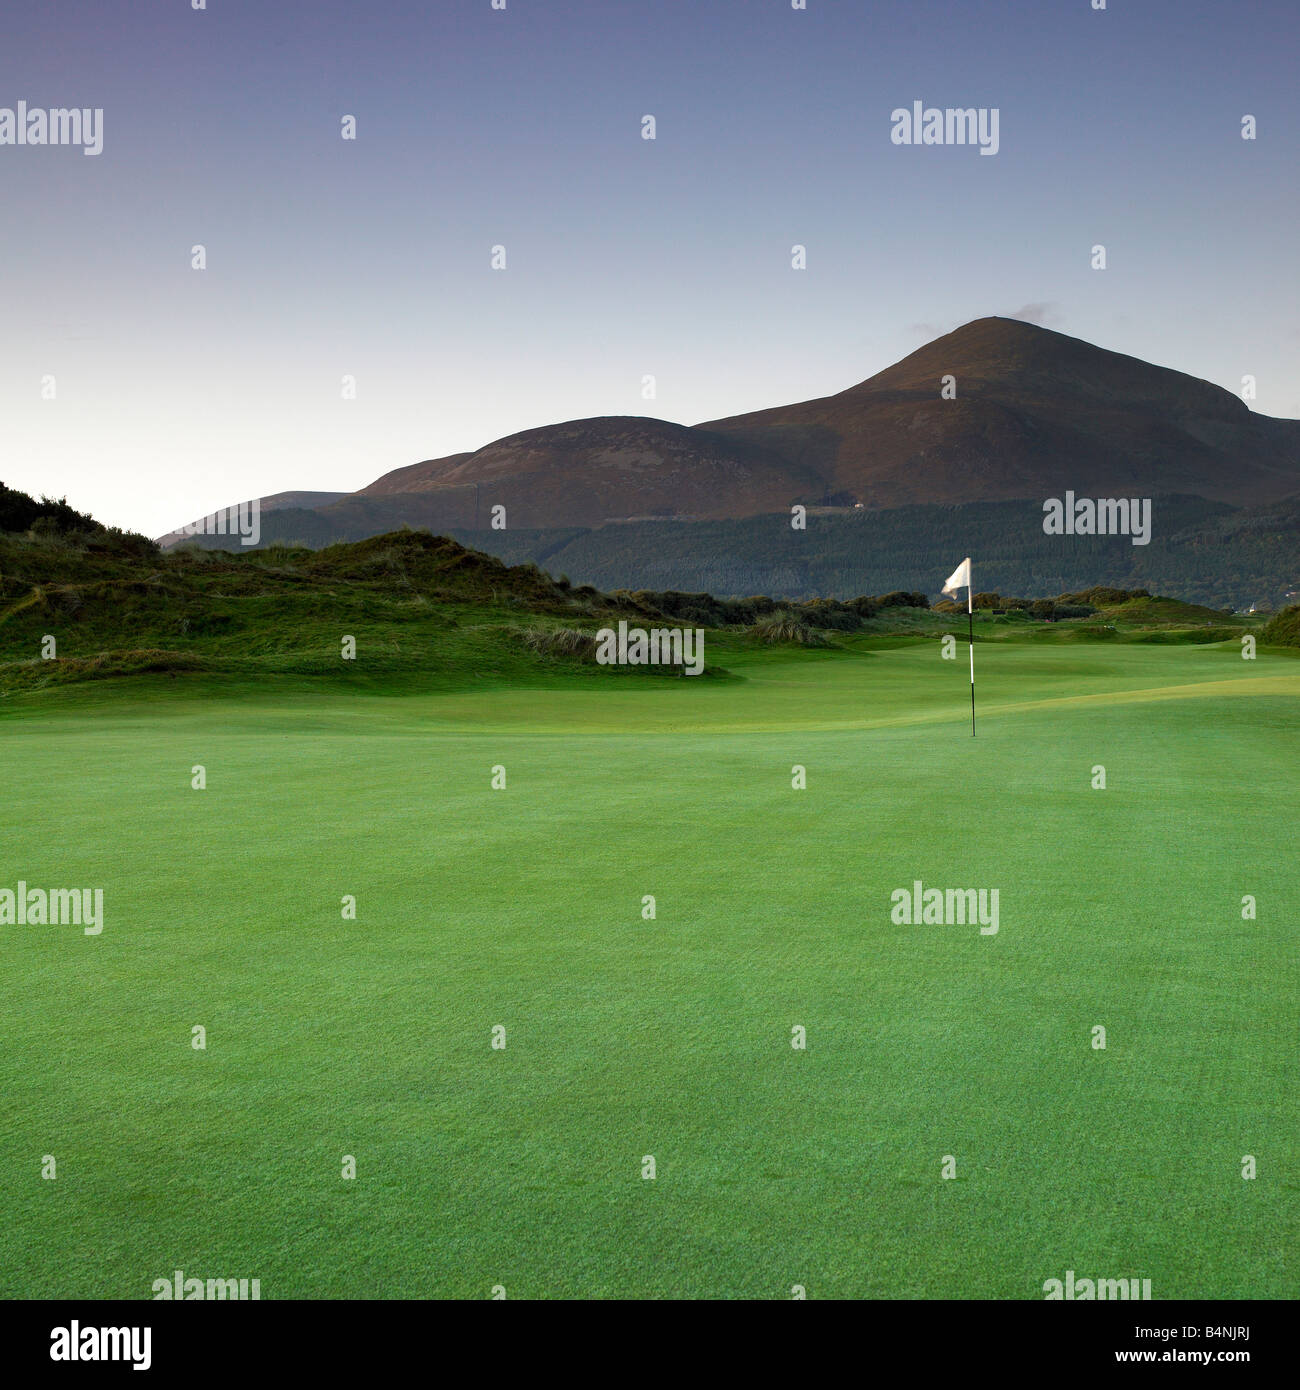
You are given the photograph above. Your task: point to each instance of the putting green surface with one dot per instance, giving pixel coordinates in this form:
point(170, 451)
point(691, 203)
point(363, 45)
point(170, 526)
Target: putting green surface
point(671, 1038)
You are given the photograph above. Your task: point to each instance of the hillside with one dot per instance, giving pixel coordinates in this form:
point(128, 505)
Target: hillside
point(894, 475)
point(584, 472)
point(416, 603)
point(425, 612)
point(1036, 413)
point(302, 503)
point(1202, 552)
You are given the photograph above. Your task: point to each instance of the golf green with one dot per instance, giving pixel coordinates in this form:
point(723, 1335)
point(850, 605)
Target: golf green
point(627, 1038)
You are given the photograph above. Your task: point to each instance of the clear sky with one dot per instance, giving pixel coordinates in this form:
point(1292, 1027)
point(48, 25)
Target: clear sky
point(179, 391)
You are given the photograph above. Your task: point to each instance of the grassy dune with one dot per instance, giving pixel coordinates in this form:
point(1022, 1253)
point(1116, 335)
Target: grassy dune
point(671, 1037)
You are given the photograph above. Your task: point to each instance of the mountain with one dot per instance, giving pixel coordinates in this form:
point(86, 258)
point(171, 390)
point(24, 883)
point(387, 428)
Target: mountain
point(610, 468)
point(415, 477)
point(1036, 413)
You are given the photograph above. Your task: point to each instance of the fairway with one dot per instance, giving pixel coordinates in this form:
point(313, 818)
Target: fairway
point(626, 1038)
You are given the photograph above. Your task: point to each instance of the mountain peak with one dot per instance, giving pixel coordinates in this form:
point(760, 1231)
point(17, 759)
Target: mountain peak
point(1001, 409)
point(1025, 364)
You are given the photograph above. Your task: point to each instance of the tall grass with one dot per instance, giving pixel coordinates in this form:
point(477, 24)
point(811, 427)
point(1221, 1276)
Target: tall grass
point(785, 626)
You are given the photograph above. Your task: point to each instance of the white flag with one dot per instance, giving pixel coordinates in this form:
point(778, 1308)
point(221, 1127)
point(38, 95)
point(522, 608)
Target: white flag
point(959, 578)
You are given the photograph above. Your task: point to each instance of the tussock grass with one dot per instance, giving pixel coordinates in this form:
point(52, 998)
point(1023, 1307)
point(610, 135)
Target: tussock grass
point(37, 674)
point(784, 626)
point(559, 641)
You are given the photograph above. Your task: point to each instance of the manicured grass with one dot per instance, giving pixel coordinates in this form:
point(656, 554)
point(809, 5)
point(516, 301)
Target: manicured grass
point(671, 1037)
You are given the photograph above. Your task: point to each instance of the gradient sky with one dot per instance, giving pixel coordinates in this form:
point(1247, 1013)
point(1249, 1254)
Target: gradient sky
point(181, 391)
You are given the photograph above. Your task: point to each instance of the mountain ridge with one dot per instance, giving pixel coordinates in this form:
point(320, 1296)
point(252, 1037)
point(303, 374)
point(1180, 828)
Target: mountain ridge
point(1033, 413)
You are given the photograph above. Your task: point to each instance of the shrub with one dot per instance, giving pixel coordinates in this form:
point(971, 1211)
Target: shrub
point(1101, 596)
point(19, 512)
point(829, 612)
point(1283, 629)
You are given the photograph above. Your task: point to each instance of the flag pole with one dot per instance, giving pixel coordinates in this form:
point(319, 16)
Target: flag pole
point(970, 621)
point(952, 586)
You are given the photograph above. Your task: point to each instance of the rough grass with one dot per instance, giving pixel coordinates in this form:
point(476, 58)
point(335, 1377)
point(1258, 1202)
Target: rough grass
point(563, 641)
point(788, 628)
point(37, 675)
point(1155, 609)
point(424, 611)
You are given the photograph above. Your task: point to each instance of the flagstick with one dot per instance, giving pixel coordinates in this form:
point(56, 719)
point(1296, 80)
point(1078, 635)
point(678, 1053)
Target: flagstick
point(970, 619)
point(953, 587)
